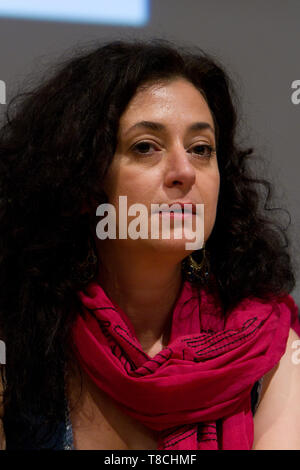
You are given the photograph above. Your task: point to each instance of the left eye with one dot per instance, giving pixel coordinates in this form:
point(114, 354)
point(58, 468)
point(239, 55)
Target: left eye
point(203, 150)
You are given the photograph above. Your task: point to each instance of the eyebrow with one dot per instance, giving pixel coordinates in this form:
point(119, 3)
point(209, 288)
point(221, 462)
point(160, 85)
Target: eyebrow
point(157, 126)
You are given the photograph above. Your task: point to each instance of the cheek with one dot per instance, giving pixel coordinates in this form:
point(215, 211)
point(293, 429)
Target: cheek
point(116, 183)
point(131, 182)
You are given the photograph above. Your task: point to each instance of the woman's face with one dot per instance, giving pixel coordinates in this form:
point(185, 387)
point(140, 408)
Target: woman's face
point(164, 155)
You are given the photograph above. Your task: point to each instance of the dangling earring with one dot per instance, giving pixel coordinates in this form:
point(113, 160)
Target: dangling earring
point(195, 271)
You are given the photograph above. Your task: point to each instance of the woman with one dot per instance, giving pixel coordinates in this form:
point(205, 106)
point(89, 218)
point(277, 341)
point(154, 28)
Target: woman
point(140, 343)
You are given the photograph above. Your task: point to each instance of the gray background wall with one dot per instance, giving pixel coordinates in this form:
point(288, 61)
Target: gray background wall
point(256, 40)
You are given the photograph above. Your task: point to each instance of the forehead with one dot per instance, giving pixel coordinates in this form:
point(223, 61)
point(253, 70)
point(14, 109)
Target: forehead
point(178, 98)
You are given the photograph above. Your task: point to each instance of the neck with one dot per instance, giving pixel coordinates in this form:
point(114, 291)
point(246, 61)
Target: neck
point(146, 289)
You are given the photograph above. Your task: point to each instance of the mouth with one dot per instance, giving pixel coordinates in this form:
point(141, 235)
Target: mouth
point(187, 208)
point(175, 214)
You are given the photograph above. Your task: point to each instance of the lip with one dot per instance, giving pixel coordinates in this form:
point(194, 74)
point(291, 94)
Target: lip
point(184, 210)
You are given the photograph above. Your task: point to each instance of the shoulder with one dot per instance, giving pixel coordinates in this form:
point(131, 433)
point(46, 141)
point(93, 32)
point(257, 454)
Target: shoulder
point(277, 420)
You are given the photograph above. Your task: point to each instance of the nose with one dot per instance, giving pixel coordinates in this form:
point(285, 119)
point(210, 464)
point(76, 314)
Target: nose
point(179, 169)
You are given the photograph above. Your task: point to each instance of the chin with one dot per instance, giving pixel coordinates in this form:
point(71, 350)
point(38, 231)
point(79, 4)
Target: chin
point(174, 247)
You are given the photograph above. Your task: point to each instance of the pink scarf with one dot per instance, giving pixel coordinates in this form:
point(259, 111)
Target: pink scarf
point(196, 391)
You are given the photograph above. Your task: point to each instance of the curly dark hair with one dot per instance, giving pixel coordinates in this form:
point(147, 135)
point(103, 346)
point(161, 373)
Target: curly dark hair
point(56, 145)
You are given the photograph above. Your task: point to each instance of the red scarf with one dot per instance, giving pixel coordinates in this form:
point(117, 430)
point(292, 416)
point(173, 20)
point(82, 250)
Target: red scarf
point(196, 391)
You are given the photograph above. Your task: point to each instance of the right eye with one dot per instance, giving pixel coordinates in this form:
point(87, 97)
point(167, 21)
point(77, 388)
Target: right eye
point(143, 148)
